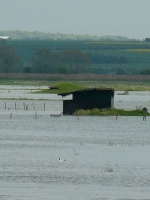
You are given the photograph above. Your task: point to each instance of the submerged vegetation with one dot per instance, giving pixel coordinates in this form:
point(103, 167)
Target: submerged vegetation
point(110, 112)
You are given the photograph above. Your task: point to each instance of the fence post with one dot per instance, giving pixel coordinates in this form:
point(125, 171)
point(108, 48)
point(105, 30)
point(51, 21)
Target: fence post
point(35, 115)
point(10, 115)
point(144, 117)
point(116, 116)
point(33, 106)
point(26, 107)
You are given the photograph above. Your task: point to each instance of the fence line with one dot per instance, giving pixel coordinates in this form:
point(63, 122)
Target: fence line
point(14, 105)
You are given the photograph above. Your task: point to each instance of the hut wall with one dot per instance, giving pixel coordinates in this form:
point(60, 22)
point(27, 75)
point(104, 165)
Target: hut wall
point(89, 100)
point(69, 107)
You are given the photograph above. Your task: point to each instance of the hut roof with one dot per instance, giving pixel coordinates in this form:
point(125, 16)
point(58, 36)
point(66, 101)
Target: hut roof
point(85, 90)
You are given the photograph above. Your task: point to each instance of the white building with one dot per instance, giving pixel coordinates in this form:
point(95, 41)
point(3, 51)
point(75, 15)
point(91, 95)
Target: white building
point(4, 37)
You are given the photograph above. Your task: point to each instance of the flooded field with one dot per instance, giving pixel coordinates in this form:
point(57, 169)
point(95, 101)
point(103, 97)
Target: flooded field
point(106, 159)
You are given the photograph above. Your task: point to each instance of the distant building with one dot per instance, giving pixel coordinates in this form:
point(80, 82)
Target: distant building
point(3, 40)
point(4, 37)
point(88, 99)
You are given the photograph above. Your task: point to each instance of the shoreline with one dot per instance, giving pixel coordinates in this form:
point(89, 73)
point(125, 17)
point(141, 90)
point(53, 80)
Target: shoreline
point(79, 77)
point(117, 82)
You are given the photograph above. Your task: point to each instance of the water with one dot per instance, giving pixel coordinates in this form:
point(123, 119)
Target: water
point(106, 159)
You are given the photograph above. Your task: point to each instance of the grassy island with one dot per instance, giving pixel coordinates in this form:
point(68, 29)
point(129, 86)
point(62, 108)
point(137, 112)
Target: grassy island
point(68, 86)
point(61, 87)
point(110, 112)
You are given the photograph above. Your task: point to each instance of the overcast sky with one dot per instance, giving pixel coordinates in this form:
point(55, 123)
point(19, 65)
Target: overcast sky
point(129, 18)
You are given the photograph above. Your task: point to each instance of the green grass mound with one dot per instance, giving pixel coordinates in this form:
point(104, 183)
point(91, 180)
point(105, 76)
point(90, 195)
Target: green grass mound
point(62, 87)
point(110, 112)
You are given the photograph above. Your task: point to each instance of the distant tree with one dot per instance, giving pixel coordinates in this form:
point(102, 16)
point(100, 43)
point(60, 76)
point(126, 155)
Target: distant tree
point(120, 71)
point(147, 39)
point(145, 72)
point(63, 70)
point(44, 61)
point(75, 60)
point(9, 60)
point(27, 69)
point(67, 61)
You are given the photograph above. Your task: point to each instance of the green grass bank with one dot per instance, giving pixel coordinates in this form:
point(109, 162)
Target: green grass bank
point(110, 112)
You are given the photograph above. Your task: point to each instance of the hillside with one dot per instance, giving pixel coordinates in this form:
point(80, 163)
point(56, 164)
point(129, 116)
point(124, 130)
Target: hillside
point(127, 57)
point(26, 35)
point(104, 57)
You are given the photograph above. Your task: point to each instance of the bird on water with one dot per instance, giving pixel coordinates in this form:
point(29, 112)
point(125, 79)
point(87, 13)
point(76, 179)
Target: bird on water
point(60, 160)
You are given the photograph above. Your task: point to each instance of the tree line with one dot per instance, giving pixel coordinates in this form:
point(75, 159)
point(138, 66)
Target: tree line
point(9, 60)
point(72, 61)
point(101, 59)
point(36, 35)
point(68, 61)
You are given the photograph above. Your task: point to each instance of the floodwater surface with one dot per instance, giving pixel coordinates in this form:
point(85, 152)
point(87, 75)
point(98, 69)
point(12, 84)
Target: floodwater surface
point(106, 159)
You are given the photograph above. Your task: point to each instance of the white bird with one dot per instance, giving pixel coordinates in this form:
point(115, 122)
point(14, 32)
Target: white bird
point(60, 160)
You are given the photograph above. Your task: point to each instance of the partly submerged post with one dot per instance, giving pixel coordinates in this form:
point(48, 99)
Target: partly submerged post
point(78, 115)
point(33, 106)
point(44, 106)
point(144, 117)
point(5, 106)
point(15, 105)
point(24, 105)
point(35, 115)
point(10, 115)
point(116, 116)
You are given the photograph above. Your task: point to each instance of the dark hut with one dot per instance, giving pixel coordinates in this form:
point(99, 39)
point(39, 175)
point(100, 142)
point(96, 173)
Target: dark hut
point(88, 99)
